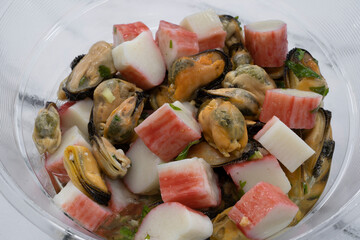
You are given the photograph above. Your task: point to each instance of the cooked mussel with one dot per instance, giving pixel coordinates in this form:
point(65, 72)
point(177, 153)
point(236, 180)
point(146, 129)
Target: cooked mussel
point(308, 181)
point(91, 70)
point(224, 228)
point(251, 78)
point(302, 71)
point(244, 100)
point(108, 96)
point(239, 55)
point(234, 33)
point(84, 172)
point(216, 159)
point(223, 126)
point(119, 127)
point(159, 96)
point(47, 133)
point(188, 74)
point(112, 162)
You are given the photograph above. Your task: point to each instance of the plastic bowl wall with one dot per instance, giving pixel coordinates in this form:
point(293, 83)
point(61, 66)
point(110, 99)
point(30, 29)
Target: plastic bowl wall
point(40, 38)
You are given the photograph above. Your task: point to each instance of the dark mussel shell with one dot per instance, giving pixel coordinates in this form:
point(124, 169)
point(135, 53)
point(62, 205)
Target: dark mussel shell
point(188, 74)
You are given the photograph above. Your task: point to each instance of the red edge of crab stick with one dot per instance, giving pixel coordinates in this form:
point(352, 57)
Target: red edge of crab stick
point(284, 144)
point(127, 32)
point(174, 221)
point(191, 182)
point(140, 61)
point(263, 211)
point(293, 107)
point(175, 41)
point(84, 210)
point(167, 132)
point(267, 42)
point(142, 177)
point(266, 169)
point(54, 162)
point(208, 27)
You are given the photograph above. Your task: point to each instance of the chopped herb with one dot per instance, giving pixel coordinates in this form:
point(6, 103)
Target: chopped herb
point(147, 237)
point(236, 18)
point(300, 54)
point(174, 107)
point(126, 233)
point(323, 90)
point(82, 82)
point(256, 155)
point(104, 71)
point(115, 29)
point(280, 84)
point(305, 187)
point(300, 70)
point(144, 212)
point(241, 188)
point(184, 152)
point(171, 44)
point(117, 118)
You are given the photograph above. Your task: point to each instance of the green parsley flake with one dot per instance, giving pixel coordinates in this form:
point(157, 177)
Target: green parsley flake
point(174, 107)
point(300, 70)
point(83, 80)
point(305, 187)
point(144, 212)
point(147, 237)
point(171, 44)
point(323, 90)
point(256, 155)
point(184, 152)
point(115, 30)
point(126, 233)
point(117, 118)
point(241, 188)
point(300, 54)
point(104, 71)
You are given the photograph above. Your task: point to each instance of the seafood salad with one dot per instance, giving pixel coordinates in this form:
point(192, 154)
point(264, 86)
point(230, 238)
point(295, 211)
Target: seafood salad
point(212, 130)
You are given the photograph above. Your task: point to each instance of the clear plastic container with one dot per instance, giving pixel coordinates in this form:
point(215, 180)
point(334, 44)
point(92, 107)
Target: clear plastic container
point(40, 38)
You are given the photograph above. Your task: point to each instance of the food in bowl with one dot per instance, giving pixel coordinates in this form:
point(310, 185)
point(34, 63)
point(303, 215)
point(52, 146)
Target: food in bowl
point(187, 125)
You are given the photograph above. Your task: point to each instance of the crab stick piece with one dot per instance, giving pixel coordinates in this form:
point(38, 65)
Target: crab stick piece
point(191, 182)
point(208, 27)
point(284, 144)
point(295, 108)
point(121, 197)
point(77, 114)
point(140, 61)
point(175, 41)
point(266, 169)
point(81, 208)
point(263, 211)
point(267, 42)
point(168, 130)
point(176, 222)
point(142, 177)
point(127, 32)
point(54, 162)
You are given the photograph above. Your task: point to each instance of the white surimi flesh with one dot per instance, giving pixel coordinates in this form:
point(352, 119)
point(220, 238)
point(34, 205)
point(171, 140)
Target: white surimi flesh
point(284, 144)
point(121, 197)
point(208, 27)
point(140, 61)
point(142, 177)
point(78, 115)
point(174, 221)
point(266, 169)
point(54, 162)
